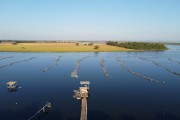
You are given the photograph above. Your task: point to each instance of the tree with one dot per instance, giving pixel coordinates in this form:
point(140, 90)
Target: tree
point(96, 47)
point(138, 45)
point(77, 44)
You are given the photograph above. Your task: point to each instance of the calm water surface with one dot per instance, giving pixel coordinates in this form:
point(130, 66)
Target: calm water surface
point(123, 97)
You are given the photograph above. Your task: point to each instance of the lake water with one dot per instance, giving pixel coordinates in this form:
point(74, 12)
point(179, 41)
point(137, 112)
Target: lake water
point(123, 97)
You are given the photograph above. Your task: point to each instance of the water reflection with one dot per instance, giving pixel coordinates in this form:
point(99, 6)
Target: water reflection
point(166, 116)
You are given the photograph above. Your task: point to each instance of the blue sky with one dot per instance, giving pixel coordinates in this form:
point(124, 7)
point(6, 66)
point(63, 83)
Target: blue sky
point(141, 20)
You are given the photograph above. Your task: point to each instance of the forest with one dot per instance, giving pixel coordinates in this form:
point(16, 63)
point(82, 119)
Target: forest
point(138, 45)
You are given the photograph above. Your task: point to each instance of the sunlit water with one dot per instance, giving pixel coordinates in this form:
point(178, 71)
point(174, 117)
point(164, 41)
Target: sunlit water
point(123, 97)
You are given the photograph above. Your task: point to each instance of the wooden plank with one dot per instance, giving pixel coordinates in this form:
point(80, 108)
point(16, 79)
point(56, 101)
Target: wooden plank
point(83, 109)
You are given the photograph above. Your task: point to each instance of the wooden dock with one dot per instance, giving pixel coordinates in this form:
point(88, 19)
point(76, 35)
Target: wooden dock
point(82, 94)
point(83, 109)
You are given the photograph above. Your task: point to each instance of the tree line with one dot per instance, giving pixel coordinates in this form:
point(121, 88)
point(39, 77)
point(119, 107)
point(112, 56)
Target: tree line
point(138, 45)
point(37, 41)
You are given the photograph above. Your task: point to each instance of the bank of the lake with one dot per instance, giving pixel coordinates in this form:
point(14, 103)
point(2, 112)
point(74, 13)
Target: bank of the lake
point(59, 47)
point(81, 47)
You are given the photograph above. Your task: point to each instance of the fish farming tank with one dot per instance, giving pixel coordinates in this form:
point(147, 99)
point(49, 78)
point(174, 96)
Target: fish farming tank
point(12, 85)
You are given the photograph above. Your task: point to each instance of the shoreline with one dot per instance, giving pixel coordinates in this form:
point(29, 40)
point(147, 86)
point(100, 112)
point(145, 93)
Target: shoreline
point(59, 47)
point(80, 51)
point(63, 48)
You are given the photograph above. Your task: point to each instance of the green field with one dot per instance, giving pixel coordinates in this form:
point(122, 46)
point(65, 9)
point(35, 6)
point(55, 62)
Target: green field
point(58, 47)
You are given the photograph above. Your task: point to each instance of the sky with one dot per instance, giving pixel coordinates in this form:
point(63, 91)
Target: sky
point(124, 20)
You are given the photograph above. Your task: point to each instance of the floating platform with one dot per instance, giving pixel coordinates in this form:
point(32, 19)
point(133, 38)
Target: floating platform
point(12, 84)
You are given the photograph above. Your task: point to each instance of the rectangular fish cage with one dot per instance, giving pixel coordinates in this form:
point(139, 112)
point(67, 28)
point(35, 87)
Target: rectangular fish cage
point(12, 85)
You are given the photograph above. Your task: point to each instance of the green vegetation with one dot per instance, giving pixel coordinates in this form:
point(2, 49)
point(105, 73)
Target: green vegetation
point(139, 45)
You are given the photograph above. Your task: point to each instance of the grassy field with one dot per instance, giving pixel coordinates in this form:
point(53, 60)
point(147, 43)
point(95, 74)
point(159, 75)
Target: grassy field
point(57, 47)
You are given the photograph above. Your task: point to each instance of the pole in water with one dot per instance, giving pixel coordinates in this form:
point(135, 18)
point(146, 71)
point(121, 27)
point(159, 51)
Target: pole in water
point(45, 109)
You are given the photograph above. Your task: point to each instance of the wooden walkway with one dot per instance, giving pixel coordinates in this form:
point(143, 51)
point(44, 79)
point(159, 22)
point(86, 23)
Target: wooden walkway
point(83, 109)
point(82, 94)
